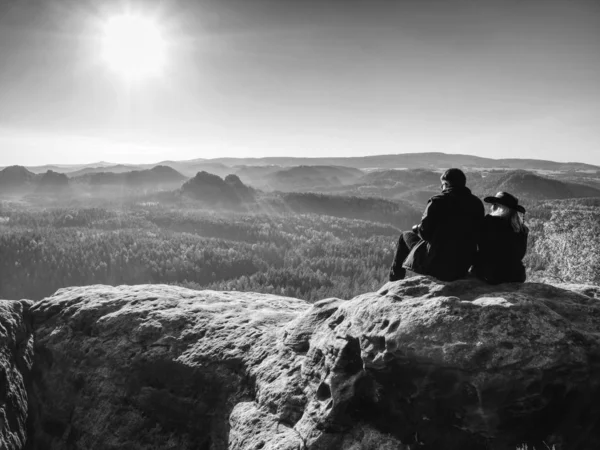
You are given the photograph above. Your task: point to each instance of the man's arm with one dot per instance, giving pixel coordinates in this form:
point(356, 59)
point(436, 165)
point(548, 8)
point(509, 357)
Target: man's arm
point(430, 220)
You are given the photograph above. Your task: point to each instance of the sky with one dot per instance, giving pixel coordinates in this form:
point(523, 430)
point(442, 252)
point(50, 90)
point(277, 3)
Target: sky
point(256, 78)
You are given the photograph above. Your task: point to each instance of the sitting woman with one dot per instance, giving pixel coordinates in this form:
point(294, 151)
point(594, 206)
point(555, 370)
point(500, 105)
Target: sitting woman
point(502, 242)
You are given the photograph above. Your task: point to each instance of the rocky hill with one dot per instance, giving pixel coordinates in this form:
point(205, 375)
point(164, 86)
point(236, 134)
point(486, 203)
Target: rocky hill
point(52, 183)
point(418, 365)
point(191, 168)
point(19, 180)
point(16, 179)
point(214, 190)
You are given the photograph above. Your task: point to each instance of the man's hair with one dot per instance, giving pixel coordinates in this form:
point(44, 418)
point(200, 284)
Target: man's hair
point(454, 177)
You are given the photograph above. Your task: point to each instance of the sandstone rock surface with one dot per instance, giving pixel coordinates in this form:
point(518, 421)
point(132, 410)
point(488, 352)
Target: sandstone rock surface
point(418, 365)
point(156, 366)
point(16, 346)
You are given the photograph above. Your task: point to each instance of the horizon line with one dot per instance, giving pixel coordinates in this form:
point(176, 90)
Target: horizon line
point(110, 163)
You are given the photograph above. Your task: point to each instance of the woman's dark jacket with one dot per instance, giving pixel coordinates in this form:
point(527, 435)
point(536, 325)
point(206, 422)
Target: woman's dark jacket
point(449, 232)
point(501, 251)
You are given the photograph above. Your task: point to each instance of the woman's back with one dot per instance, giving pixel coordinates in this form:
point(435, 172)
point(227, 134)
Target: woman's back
point(501, 251)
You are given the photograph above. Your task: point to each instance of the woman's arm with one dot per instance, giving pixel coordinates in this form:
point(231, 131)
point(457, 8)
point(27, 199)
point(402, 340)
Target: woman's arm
point(520, 247)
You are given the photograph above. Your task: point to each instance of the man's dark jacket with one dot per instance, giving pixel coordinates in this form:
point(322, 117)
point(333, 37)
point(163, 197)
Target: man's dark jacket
point(449, 232)
point(501, 251)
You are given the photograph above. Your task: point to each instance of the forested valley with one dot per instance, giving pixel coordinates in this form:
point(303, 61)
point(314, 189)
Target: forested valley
point(564, 241)
point(309, 256)
point(306, 245)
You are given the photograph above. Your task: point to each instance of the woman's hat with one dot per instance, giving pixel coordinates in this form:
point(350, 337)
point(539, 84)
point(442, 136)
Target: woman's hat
point(504, 198)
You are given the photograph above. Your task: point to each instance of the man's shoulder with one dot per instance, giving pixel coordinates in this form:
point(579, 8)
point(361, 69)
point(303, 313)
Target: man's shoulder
point(468, 194)
point(438, 197)
point(461, 195)
point(476, 199)
point(449, 196)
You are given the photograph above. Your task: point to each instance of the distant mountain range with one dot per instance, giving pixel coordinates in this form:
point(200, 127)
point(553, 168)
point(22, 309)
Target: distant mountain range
point(117, 168)
point(232, 193)
point(65, 168)
point(231, 185)
point(298, 179)
point(412, 161)
point(438, 160)
point(156, 176)
point(530, 186)
point(17, 180)
point(418, 185)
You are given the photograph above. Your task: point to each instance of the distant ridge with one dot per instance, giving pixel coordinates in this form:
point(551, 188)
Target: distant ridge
point(156, 176)
point(113, 168)
point(431, 160)
point(298, 178)
point(531, 186)
point(65, 168)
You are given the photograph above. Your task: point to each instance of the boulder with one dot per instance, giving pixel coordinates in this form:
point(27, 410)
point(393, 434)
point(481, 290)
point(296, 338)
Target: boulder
point(458, 365)
point(139, 367)
point(419, 364)
point(16, 352)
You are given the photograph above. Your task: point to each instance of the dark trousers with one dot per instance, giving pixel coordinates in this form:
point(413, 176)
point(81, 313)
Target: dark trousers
point(407, 241)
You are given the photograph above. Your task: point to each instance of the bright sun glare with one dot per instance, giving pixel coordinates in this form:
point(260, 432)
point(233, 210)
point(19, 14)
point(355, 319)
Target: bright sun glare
point(133, 46)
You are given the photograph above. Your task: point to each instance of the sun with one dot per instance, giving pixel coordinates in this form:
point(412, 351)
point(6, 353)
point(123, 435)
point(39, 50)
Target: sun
point(133, 46)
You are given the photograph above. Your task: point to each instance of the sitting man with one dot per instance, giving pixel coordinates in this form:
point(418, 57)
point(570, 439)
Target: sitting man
point(444, 244)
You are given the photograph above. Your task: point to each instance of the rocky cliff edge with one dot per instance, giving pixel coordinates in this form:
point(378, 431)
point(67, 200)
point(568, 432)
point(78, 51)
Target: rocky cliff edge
point(418, 365)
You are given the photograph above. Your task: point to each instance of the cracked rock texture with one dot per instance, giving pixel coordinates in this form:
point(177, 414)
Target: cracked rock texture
point(16, 346)
point(420, 364)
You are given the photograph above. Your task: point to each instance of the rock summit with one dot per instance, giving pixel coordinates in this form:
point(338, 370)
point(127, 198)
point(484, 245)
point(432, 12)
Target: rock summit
point(420, 364)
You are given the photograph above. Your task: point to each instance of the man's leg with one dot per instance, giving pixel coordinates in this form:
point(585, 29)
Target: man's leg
point(407, 241)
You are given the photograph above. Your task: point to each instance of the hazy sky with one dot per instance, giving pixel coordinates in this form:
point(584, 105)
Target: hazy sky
point(493, 78)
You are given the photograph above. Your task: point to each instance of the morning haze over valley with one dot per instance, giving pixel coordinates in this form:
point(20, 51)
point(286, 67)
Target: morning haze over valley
point(202, 203)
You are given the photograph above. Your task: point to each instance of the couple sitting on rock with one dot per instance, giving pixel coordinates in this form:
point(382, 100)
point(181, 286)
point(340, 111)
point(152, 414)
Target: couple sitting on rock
point(455, 237)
